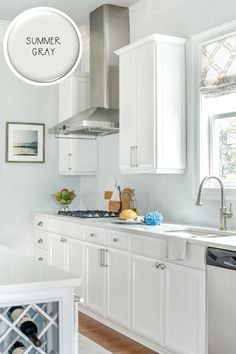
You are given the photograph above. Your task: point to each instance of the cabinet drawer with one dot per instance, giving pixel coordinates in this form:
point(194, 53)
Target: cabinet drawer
point(95, 235)
point(40, 222)
point(41, 239)
point(66, 228)
point(41, 255)
point(149, 247)
point(119, 240)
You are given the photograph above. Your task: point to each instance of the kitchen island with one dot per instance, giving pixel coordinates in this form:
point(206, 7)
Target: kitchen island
point(45, 295)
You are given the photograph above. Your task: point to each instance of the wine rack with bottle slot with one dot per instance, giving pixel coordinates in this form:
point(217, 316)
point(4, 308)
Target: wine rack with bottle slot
point(30, 329)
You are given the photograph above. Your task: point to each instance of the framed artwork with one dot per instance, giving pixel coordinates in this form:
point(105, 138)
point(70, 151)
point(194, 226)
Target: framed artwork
point(25, 142)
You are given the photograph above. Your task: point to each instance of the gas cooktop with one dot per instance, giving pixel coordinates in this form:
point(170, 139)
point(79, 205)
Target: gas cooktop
point(88, 214)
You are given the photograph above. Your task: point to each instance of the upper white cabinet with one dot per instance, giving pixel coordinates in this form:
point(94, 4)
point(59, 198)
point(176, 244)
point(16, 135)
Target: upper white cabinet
point(77, 156)
point(152, 106)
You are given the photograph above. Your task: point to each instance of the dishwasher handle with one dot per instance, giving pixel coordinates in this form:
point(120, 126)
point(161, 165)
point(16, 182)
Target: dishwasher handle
point(221, 258)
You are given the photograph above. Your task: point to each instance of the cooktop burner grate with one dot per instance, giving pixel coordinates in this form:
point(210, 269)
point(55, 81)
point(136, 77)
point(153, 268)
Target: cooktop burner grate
point(86, 214)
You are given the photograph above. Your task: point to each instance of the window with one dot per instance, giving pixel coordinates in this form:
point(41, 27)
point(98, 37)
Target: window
point(223, 146)
point(217, 102)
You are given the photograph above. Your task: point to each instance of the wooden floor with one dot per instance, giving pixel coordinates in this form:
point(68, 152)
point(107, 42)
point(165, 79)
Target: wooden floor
point(110, 339)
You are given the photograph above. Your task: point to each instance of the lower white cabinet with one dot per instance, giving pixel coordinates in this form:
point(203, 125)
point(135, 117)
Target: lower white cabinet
point(147, 298)
point(118, 287)
point(68, 255)
point(184, 309)
point(108, 283)
point(76, 261)
point(58, 251)
point(131, 285)
point(96, 279)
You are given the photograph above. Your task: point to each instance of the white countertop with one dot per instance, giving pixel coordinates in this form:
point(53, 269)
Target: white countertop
point(20, 273)
point(228, 241)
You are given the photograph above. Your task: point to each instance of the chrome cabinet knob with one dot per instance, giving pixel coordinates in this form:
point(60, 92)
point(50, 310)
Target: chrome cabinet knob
point(92, 235)
point(40, 241)
point(63, 240)
point(40, 259)
point(40, 223)
point(157, 265)
point(115, 239)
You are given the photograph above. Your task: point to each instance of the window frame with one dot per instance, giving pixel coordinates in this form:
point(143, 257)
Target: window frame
point(211, 191)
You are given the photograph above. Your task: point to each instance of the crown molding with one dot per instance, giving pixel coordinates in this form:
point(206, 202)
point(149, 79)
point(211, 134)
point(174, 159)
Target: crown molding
point(3, 28)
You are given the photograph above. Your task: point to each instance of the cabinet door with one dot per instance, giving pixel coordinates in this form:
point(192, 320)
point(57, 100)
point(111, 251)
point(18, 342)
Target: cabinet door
point(84, 156)
point(96, 279)
point(147, 298)
point(145, 85)
point(118, 287)
point(65, 156)
point(76, 262)
point(76, 156)
point(58, 252)
point(127, 112)
point(184, 310)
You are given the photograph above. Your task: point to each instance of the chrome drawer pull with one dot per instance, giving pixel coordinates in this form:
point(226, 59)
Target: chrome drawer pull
point(115, 239)
point(40, 223)
point(40, 241)
point(92, 235)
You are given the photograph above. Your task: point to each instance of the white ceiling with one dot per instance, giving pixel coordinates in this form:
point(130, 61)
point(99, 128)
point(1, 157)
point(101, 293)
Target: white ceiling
point(77, 9)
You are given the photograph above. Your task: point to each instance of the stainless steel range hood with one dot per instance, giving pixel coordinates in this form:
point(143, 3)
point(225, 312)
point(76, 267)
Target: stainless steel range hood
point(109, 30)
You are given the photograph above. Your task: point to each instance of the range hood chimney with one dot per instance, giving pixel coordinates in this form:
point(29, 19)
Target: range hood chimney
point(109, 31)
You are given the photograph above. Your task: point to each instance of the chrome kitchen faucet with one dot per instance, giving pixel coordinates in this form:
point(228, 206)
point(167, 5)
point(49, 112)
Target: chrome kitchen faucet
point(224, 213)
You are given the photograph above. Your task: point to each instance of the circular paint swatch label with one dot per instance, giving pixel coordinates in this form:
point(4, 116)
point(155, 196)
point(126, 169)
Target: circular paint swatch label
point(42, 46)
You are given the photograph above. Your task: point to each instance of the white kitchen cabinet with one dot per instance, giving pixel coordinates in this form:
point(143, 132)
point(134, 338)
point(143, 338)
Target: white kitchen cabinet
point(152, 106)
point(96, 279)
point(147, 298)
point(118, 287)
point(41, 255)
point(77, 155)
point(69, 255)
point(185, 322)
point(76, 262)
point(129, 284)
point(58, 251)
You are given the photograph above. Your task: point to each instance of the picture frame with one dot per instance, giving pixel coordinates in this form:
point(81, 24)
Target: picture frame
point(25, 142)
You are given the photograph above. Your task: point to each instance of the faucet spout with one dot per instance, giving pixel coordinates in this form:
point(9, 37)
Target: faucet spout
point(224, 214)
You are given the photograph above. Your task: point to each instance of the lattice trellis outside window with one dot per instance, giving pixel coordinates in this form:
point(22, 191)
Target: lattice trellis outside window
point(218, 66)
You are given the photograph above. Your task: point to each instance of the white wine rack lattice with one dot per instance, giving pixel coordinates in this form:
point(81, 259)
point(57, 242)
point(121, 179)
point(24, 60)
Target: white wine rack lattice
point(45, 316)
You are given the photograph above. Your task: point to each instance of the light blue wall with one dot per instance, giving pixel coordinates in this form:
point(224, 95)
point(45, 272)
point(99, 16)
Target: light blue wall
point(171, 194)
point(25, 187)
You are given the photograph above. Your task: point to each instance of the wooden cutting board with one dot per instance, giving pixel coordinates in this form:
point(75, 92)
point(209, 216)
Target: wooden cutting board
point(126, 196)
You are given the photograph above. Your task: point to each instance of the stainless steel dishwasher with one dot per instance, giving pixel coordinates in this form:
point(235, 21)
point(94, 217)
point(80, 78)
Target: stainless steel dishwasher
point(221, 293)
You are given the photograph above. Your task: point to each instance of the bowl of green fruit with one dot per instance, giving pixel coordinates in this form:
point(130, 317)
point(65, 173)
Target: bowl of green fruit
point(64, 197)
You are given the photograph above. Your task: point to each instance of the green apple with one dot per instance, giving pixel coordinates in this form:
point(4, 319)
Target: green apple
point(63, 201)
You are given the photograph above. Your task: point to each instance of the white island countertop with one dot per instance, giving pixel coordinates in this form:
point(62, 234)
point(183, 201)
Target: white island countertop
point(227, 241)
point(19, 273)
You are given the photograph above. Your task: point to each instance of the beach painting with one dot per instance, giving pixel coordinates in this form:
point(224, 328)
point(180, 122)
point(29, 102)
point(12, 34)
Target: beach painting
point(24, 142)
